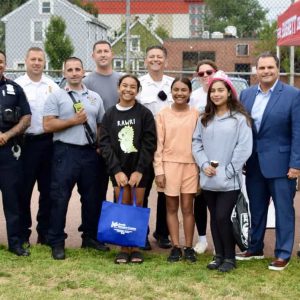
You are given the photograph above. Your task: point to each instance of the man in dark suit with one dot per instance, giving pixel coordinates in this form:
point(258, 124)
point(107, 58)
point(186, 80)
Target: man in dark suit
point(274, 165)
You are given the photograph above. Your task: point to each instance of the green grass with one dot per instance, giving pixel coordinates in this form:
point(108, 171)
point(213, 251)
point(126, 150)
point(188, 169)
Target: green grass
point(88, 274)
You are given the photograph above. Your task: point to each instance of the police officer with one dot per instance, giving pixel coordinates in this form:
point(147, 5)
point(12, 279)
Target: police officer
point(155, 95)
point(74, 115)
point(37, 150)
point(14, 119)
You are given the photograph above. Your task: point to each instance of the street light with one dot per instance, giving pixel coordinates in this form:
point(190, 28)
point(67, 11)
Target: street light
point(127, 36)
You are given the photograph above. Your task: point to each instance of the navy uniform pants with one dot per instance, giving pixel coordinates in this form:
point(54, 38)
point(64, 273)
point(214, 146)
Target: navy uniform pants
point(103, 181)
point(37, 157)
point(11, 188)
point(73, 165)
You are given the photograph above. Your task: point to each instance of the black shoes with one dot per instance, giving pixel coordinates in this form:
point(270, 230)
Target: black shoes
point(215, 263)
point(175, 254)
point(58, 252)
point(227, 265)
point(163, 241)
point(94, 244)
point(147, 246)
point(189, 254)
point(19, 251)
point(42, 240)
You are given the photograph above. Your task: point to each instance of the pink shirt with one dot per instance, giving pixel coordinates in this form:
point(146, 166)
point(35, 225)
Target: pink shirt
point(174, 137)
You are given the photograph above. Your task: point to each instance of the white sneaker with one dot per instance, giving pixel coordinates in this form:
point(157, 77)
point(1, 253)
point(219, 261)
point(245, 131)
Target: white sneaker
point(201, 247)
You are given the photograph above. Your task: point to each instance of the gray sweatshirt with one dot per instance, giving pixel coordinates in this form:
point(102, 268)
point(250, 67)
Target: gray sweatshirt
point(228, 140)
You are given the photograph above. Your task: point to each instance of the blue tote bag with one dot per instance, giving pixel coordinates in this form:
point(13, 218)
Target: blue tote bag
point(123, 225)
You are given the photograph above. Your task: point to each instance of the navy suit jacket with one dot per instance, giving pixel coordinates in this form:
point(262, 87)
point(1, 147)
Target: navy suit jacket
point(277, 143)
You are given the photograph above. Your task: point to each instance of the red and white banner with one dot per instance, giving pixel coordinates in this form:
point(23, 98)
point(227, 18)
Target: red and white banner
point(288, 26)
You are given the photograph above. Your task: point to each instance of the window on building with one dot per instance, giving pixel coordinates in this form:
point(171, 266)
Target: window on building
point(135, 43)
point(196, 22)
point(141, 64)
point(37, 31)
point(191, 58)
point(46, 6)
point(118, 64)
point(19, 65)
point(242, 50)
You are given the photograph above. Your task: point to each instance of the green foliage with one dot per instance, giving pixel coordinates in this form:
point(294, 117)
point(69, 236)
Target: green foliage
point(88, 7)
point(162, 32)
point(268, 41)
point(247, 15)
point(9, 5)
point(58, 45)
point(5, 8)
point(267, 38)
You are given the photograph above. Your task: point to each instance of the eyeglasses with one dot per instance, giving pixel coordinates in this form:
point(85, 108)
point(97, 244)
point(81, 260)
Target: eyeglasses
point(208, 72)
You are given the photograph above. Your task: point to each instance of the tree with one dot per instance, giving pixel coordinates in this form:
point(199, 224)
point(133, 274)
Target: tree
point(88, 7)
point(5, 8)
point(247, 15)
point(162, 32)
point(267, 38)
point(58, 45)
point(268, 41)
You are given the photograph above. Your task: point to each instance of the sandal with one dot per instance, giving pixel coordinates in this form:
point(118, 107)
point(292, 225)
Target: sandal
point(122, 258)
point(136, 257)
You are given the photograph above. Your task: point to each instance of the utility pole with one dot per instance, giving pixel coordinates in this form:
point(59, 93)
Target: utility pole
point(127, 36)
point(292, 62)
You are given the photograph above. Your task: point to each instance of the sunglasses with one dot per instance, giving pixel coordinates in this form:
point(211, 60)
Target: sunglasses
point(208, 72)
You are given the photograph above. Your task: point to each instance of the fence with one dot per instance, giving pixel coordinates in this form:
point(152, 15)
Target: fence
point(231, 33)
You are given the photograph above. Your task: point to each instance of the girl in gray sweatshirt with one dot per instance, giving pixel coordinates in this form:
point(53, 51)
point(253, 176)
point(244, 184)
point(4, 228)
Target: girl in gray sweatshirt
point(222, 142)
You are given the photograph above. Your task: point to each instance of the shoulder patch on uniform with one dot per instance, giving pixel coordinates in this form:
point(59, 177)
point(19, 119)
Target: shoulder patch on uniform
point(10, 89)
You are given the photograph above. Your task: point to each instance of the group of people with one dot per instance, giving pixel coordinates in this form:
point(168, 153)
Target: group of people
point(143, 130)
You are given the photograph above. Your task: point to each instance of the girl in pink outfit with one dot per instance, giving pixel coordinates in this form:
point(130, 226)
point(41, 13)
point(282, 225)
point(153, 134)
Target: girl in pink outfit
point(175, 169)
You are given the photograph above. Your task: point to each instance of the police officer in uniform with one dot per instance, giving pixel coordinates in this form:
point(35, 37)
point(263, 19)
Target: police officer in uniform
point(14, 120)
point(74, 115)
point(38, 145)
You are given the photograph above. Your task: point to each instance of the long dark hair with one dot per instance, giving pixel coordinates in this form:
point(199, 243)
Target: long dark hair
point(233, 104)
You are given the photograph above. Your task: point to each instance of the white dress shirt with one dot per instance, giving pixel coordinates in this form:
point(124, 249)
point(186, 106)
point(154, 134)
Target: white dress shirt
point(198, 99)
point(148, 95)
point(37, 93)
point(260, 104)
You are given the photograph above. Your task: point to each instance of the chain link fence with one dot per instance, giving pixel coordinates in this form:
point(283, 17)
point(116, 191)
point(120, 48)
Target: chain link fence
point(231, 33)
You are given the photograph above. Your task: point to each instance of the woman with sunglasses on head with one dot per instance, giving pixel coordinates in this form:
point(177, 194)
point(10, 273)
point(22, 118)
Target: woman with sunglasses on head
point(127, 144)
point(205, 70)
point(176, 173)
point(222, 142)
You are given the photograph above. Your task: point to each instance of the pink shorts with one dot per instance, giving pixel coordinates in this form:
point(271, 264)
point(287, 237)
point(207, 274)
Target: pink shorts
point(181, 178)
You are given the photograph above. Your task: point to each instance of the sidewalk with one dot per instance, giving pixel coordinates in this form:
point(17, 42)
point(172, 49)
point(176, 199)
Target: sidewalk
point(74, 220)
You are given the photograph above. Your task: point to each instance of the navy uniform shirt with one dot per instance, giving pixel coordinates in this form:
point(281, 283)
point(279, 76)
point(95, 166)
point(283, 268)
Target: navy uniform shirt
point(12, 96)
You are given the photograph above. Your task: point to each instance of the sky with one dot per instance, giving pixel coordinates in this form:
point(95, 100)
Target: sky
point(276, 7)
